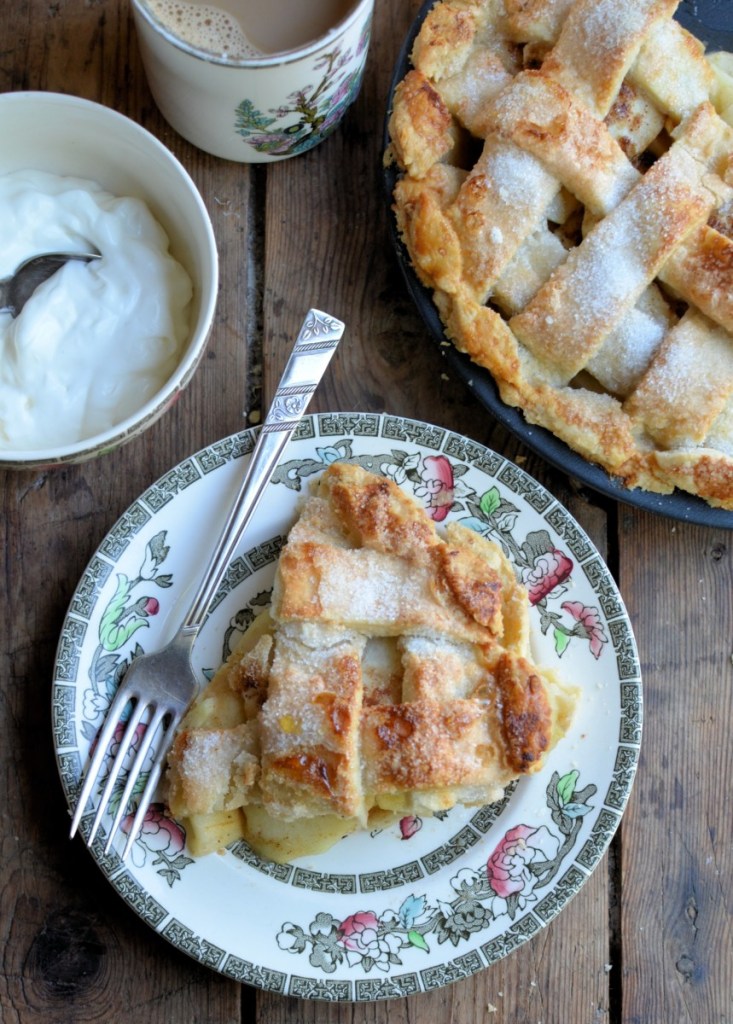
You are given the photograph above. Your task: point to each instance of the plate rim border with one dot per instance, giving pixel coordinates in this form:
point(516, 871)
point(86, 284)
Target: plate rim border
point(291, 983)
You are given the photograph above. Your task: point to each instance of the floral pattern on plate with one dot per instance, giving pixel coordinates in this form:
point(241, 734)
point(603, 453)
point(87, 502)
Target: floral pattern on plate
point(525, 861)
point(418, 904)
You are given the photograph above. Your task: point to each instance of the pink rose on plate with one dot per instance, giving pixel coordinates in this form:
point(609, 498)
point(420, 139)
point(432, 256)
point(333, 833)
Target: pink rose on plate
point(359, 931)
point(360, 934)
point(508, 867)
point(159, 834)
point(549, 570)
point(438, 486)
point(589, 625)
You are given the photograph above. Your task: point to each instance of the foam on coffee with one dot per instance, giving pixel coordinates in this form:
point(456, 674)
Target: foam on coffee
point(205, 28)
point(249, 28)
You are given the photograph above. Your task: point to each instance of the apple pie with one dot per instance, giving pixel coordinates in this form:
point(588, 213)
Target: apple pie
point(391, 675)
point(565, 190)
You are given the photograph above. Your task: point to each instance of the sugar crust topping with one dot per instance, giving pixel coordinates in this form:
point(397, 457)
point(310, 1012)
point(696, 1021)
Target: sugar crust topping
point(570, 214)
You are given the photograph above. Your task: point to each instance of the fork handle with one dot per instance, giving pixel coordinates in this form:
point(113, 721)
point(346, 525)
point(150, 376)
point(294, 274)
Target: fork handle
point(314, 346)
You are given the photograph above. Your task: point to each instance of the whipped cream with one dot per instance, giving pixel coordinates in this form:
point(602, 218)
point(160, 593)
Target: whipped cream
point(97, 340)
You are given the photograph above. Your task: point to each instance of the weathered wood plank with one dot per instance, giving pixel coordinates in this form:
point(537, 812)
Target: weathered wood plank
point(677, 926)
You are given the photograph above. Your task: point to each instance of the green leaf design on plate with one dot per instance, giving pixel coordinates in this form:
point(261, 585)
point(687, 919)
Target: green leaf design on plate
point(561, 641)
point(490, 502)
point(566, 787)
point(417, 939)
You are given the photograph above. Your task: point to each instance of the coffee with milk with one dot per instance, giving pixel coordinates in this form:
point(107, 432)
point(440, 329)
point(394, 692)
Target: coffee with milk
point(246, 29)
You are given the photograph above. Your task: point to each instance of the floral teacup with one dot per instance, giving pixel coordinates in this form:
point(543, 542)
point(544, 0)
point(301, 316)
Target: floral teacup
point(256, 108)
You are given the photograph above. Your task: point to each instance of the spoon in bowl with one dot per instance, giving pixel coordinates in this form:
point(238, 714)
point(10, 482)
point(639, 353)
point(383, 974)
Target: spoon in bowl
point(18, 288)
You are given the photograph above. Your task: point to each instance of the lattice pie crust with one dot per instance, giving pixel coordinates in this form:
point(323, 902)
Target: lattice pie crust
point(392, 672)
point(568, 196)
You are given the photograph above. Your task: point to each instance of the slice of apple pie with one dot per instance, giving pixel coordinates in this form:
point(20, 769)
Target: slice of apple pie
point(391, 674)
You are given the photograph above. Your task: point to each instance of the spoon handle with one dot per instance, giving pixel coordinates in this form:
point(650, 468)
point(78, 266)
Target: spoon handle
point(314, 346)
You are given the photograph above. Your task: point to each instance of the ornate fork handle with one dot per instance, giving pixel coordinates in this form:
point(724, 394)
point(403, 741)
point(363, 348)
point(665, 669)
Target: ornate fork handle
point(314, 346)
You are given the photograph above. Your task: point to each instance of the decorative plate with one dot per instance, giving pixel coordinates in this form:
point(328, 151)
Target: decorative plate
point(712, 22)
point(419, 904)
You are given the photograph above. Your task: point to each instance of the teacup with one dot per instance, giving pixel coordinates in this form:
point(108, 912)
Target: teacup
point(216, 81)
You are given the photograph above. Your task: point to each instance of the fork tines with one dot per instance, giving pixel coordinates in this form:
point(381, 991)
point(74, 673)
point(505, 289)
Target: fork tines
point(147, 722)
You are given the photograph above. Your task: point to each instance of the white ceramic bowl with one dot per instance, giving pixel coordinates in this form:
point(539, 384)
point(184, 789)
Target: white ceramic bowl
point(67, 135)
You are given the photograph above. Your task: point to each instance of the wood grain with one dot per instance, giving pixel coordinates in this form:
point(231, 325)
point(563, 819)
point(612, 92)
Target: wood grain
point(677, 938)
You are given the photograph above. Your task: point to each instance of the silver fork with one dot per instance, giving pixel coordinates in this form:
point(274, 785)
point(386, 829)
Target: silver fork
point(18, 288)
point(163, 684)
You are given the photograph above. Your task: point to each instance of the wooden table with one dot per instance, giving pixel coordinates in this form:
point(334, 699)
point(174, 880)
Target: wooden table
point(649, 938)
